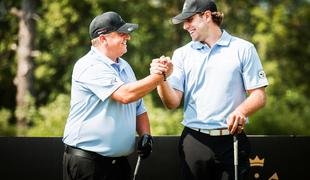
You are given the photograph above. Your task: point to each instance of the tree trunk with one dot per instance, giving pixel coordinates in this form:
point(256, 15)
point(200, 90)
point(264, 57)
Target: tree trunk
point(24, 76)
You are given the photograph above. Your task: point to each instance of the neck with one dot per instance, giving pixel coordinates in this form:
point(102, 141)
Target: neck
point(213, 36)
point(107, 53)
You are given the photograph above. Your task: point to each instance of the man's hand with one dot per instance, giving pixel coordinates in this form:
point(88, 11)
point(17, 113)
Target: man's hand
point(145, 146)
point(167, 61)
point(162, 65)
point(236, 122)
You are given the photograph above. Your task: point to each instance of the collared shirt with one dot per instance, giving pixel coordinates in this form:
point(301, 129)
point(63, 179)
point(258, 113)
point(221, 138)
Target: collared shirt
point(96, 122)
point(214, 80)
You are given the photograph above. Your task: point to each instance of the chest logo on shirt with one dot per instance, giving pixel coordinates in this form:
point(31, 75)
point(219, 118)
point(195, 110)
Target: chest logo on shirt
point(113, 81)
point(261, 74)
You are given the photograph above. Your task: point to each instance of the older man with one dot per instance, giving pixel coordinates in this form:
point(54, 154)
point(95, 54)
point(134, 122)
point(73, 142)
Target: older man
point(106, 106)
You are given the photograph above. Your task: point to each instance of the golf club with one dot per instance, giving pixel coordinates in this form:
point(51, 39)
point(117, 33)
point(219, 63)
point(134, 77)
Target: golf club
point(136, 168)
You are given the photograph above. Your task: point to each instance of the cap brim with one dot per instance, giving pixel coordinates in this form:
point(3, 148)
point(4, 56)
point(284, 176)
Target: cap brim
point(127, 28)
point(182, 17)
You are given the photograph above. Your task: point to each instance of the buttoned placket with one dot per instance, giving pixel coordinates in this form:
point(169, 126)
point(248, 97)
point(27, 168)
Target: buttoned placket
point(121, 72)
point(206, 51)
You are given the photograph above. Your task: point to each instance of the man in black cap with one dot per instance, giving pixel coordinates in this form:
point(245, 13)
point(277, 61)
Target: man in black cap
point(106, 106)
point(222, 81)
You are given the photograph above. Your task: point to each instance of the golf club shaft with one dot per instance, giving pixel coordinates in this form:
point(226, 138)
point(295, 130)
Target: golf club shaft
point(236, 156)
point(136, 168)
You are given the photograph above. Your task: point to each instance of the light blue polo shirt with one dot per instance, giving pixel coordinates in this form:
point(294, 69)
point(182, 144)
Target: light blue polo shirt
point(96, 122)
point(214, 80)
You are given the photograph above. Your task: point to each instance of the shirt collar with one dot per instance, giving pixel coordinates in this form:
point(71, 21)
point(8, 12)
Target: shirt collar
point(223, 41)
point(120, 65)
point(199, 46)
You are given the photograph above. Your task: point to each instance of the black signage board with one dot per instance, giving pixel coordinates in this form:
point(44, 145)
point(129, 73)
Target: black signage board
point(272, 158)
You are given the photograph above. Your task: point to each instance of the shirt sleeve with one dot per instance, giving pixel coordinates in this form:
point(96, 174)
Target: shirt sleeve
point(176, 79)
point(101, 80)
point(252, 70)
point(140, 107)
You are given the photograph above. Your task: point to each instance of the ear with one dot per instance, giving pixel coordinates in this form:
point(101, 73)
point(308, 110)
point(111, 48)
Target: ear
point(103, 39)
point(208, 15)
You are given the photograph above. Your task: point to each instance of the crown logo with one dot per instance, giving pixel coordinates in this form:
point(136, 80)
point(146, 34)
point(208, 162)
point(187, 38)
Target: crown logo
point(257, 162)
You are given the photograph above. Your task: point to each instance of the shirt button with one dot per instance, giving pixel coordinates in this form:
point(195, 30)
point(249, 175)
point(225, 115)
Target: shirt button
point(114, 161)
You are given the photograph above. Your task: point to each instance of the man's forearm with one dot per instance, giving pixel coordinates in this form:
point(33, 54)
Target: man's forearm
point(133, 91)
point(255, 101)
point(170, 97)
point(143, 124)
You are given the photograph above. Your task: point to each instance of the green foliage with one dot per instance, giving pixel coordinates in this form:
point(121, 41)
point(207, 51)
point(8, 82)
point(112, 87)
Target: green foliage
point(279, 30)
point(5, 127)
point(163, 121)
point(51, 119)
point(8, 36)
point(287, 115)
point(283, 46)
point(28, 111)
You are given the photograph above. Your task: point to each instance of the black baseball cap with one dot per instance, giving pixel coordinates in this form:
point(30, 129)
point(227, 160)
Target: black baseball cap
point(192, 7)
point(109, 22)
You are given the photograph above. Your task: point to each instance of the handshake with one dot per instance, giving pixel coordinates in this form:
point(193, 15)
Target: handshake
point(162, 66)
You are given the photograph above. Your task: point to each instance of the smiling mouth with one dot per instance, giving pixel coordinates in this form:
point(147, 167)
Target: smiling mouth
point(191, 32)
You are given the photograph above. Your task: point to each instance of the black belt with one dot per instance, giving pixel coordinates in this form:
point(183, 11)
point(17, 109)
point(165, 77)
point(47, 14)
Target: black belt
point(90, 155)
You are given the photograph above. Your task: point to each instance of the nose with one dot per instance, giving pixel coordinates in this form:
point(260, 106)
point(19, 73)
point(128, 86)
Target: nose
point(185, 25)
point(127, 37)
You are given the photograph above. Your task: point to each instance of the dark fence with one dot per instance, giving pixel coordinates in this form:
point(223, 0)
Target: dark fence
point(273, 157)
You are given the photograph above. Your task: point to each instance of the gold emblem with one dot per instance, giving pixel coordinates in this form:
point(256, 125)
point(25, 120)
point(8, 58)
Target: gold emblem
point(257, 164)
point(274, 177)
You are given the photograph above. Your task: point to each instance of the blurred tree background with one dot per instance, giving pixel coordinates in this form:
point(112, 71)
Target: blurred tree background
point(279, 30)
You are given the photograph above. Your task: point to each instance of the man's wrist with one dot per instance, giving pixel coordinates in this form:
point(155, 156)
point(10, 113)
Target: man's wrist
point(240, 113)
point(165, 77)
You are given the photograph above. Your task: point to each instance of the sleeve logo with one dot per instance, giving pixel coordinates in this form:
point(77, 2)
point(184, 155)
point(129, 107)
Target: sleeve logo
point(261, 74)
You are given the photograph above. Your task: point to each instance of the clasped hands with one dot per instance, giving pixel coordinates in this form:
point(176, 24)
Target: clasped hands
point(162, 66)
